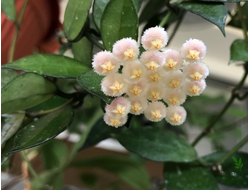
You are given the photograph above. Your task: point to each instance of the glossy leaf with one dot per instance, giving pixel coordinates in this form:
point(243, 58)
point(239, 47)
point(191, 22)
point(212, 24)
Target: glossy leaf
point(11, 127)
point(50, 65)
point(234, 177)
point(156, 144)
point(91, 82)
point(239, 51)
point(238, 19)
point(151, 9)
point(75, 17)
point(215, 13)
point(26, 91)
point(188, 177)
point(131, 172)
point(6, 76)
point(119, 21)
point(225, 1)
point(9, 9)
point(98, 9)
point(137, 4)
point(40, 131)
point(82, 51)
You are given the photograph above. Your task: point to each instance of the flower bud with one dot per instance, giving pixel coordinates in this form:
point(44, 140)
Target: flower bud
point(155, 111)
point(134, 71)
point(126, 49)
point(154, 38)
point(138, 105)
point(114, 85)
point(152, 59)
point(176, 115)
point(155, 91)
point(104, 63)
point(196, 71)
point(119, 107)
point(137, 89)
point(174, 79)
point(174, 97)
point(173, 60)
point(114, 121)
point(193, 50)
point(194, 88)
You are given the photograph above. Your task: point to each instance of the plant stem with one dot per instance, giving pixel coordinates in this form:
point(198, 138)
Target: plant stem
point(233, 96)
point(31, 169)
point(244, 27)
point(234, 149)
point(18, 26)
point(93, 40)
point(165, 19)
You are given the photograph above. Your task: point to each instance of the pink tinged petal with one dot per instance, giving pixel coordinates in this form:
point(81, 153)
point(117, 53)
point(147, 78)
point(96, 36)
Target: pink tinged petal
point(137, 89)
point(105, 63)
point(152, 59)
point(174, 79)
point(155, 91)
point(134, 71)
point(126, 49)
point(114, 121)
point(176, 115)
point(173, 60)
point(154, 38)
point(196, 71)
point(194, 88)
point(174, 97)
point(155, 111)
point(193, 50)
point(114, 85)
point(138, 105)
point(119, 107)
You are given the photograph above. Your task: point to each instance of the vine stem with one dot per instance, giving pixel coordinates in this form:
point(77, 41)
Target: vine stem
point(18, 23)
point(234, 149)
point(211, 125)
point(165, 19)
point(90, 38)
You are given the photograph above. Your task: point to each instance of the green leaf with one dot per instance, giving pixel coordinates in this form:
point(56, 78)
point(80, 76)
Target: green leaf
point(50, 65)
point(82, 51)
point(239, 161)
point(234, 159)
point(231, 177)
point(237, 167)
point(98, 9)
point(26, 91)
point(99, 132)
point(151, 9)
point(225, 1)
point(9, 9)
point(241, 165)
point(239, 51)
point(131, 172)
point(6, 76)
point(75, 17)
point(137, 4)
point(156, 144)
point(91, 82)
point(119, 20)
point(11, 127)
point(54, 154)
point(188, 177)
point(215, 13)
point(40, 131)
point(238, 19)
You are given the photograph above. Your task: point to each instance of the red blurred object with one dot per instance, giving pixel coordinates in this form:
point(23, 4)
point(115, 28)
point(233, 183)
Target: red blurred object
point(38, 28)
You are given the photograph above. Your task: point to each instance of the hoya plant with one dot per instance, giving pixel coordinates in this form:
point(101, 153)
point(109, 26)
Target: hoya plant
point(127, 85)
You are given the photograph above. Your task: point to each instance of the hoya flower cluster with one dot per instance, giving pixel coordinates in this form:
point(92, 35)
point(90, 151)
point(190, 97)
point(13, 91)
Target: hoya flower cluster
point(141, 84)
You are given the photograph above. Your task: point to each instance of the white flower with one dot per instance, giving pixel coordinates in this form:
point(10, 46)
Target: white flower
point(155, 111)
point(152, 59)
point(196, 71)
point(114, 121)
point(174, 79)
point(173, 60)
point(155, 91)
point(194, 88)
point(134, 71)
point(119, 107)
point(176, 115)
point(174, 97)
point(138, 105)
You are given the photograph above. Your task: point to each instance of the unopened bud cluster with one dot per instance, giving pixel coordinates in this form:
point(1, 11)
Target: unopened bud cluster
point(146, 82)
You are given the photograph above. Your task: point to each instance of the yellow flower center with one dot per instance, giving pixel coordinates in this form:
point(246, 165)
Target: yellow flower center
point(136, 107)
point(176, 118)
point(195, 89)
point(174, 100)
point(193, 54)
point(170, 63)
point(196, 75)
point(156, 44)
point(136, 90)
point(155, 77)
point(107, 66)
point(136, 73)
point(152, 65)
point(115, 122)
point(156, 114)
point(119, 109)
point(174, 83)
point(116, 87)
point(128, 54)
point(155, 95)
